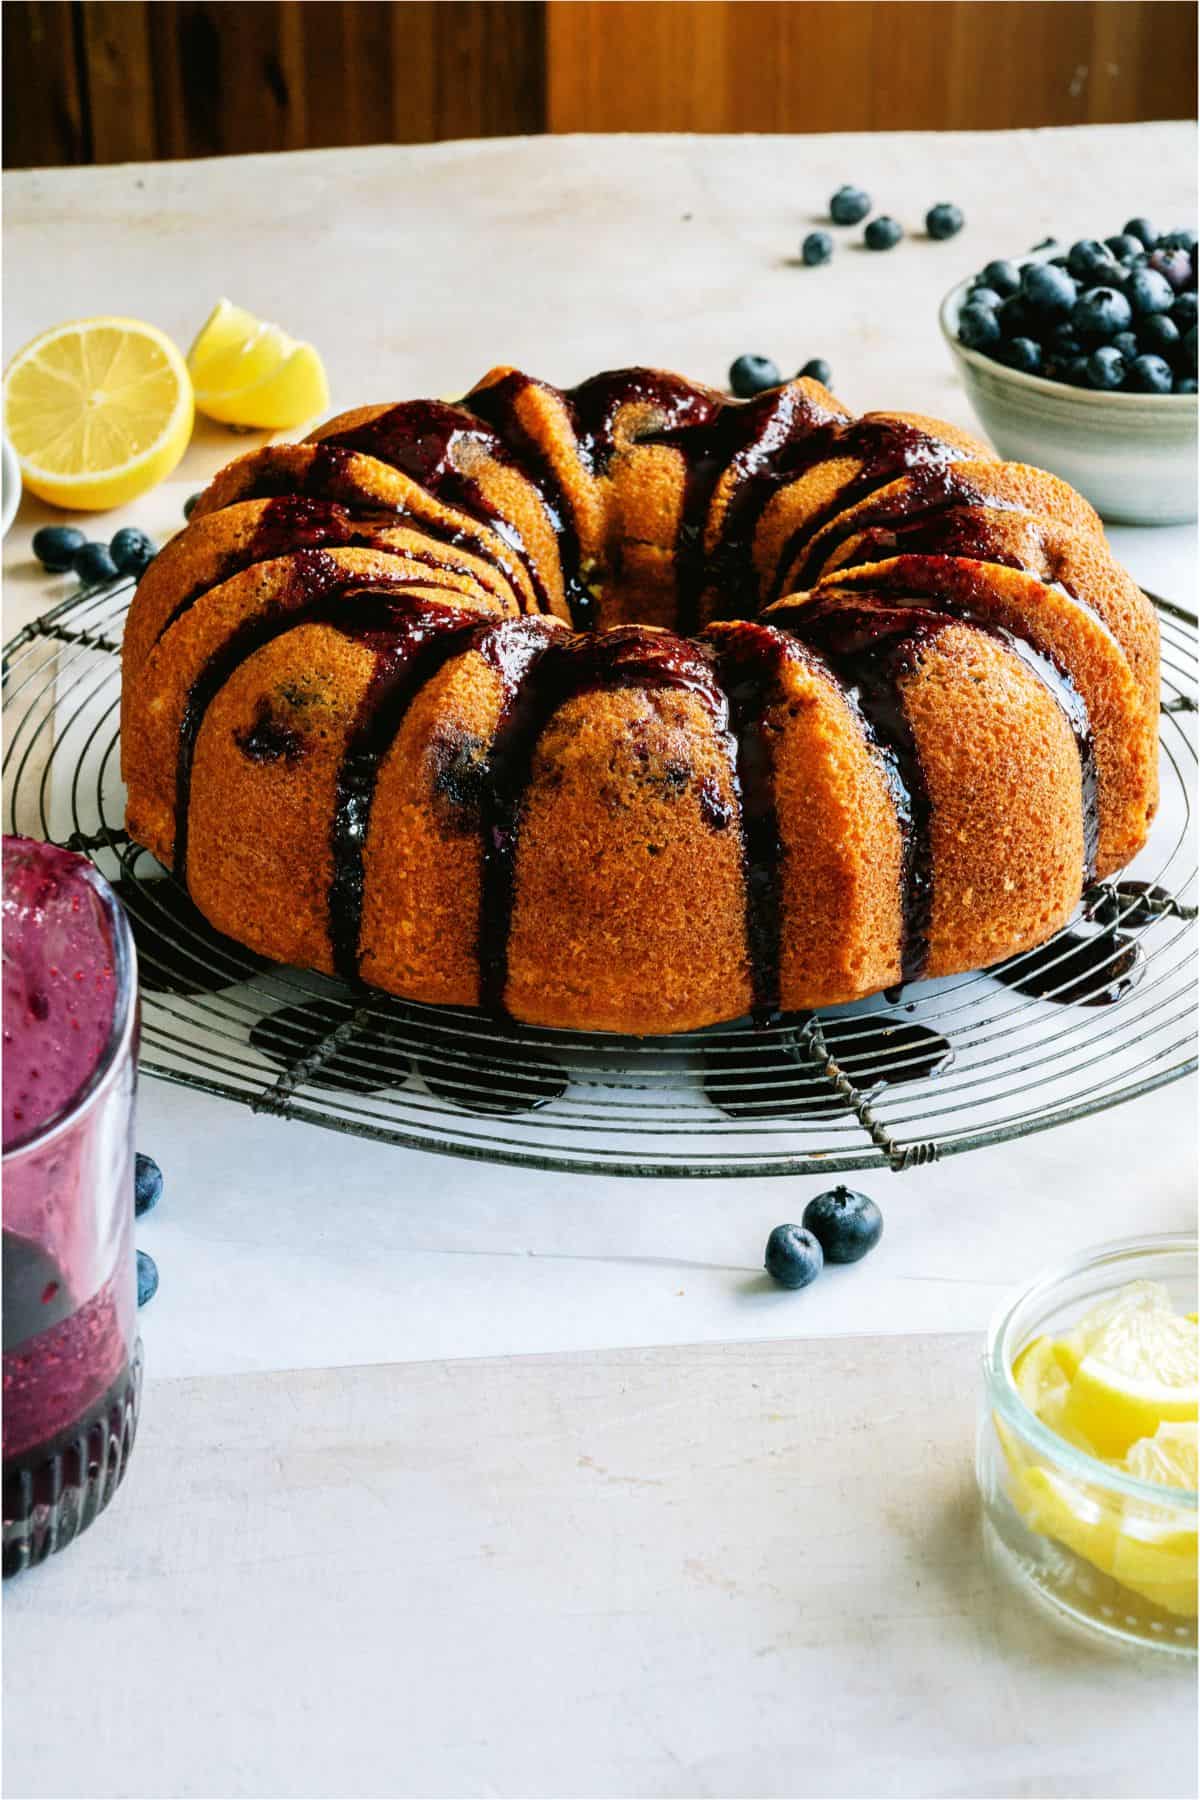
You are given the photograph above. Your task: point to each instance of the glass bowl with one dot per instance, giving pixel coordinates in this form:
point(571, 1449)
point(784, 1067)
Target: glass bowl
point(1115, 1554)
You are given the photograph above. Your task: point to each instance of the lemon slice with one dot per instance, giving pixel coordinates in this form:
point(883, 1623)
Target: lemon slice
point(251, 373)
point(98, 411)
point(1045, 1387)
point(1168, 1458)
point(1136, 1296)
point(1138, 1372)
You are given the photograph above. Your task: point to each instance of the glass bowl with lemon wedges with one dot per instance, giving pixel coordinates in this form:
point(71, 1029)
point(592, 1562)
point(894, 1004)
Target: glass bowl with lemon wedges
point(1086, 1451)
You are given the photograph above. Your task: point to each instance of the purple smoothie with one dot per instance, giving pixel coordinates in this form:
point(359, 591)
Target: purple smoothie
point(70, 1360)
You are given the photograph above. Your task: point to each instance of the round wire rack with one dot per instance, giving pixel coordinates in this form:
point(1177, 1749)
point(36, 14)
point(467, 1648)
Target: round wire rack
point(1106, 1013)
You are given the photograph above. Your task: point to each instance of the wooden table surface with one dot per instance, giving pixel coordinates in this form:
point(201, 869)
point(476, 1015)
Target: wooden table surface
point(719, 1569)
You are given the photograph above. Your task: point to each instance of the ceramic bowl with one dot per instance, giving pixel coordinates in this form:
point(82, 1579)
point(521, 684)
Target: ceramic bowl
point(10, 487)
point(1132, 455)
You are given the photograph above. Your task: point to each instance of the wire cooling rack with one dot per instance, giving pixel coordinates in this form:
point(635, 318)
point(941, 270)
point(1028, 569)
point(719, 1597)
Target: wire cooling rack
point(937, 1068)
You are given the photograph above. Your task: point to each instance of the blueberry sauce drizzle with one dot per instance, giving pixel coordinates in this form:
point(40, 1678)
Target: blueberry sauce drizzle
point(751, 1078)
point(550, 674)
point(1073, 970)
point(411, 641)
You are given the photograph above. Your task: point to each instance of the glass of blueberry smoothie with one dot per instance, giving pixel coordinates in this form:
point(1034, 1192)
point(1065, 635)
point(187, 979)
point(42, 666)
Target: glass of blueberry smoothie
point(72, 1360)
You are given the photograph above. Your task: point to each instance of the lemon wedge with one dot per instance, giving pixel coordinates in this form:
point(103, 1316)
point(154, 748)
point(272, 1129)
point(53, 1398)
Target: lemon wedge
point(251, 373)
point(1141, 1370)
point(1168, 1458)
point(98, 411)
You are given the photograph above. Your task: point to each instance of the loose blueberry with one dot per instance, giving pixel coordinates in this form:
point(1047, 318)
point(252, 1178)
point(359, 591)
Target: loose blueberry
point(55, 547)
point(817, 248)
point(978, 327)
point(94, 565)
point(1150, 292)
point(1089, 261)
point(132, 550)
point(817, 369)
point(1143, 231)
point(147, 1184)
point(794, 1256)
point(882, 233)
point(944, 220)
point(982, 295)
point(1149, 375)
point(753, 375)
point(147, 1278)
point(845, 1224)
point(1100, 313)
point(1024, 354)
point(1003, 277)
point(1184, 311)
point(849, 205)
point(1184, 384)
point(1174, 266)
point(1049, 292)
point(1159, 335)
point(189, 505)
point(1106, 367)
point(1124, 246)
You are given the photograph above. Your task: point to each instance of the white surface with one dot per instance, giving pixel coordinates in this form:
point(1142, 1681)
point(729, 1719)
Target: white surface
point(580, 1576)
point(726, 1571)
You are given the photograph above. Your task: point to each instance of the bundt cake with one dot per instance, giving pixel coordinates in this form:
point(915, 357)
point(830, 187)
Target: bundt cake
point(635, 708)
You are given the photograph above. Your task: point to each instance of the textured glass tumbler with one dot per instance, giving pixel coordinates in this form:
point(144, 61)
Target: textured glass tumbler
point(71, 1359)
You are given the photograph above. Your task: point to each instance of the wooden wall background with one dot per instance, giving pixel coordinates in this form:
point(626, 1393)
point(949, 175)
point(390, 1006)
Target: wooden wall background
point(117, 80)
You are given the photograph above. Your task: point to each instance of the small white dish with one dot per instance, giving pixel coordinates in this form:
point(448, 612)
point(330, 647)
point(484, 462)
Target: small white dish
point(1132, 455)
point(10, 487)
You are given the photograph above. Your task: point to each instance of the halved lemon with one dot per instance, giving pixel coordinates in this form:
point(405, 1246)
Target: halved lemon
point(248, 372)
point(98, 411)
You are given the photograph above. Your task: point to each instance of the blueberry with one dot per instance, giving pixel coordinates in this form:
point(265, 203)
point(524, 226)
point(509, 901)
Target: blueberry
point(1174, 267)
point(1187, 352)
point(944, 220)
point(147, 1277)
point(1151, 292)
point(1127, 343)
point(94, 565)
point(849, 205)
point(189, 505)
point(794, 1256)
point(817, 369)
point(55, 547)
point(1024, 354)
point(1143, 231)
point(845, 1224)
point(1177, 240)
point(1184, 384)
point(1149, 375)
point(1050, 292)
point(753, 375)
point(1077, 371)
point(1100, 313)
point(1013, 317)
point(1159, 335)
point(982, 295)
point(1089, 261)
point(1062, 339)
point(147, 1184)
point(1058, 262)
point(817, 248)
point(978, 327)
point(1106, 367)
point(1003, 277)
point(1184, 311)
point(1124, 246)
point(882, 233)
point(132, 550)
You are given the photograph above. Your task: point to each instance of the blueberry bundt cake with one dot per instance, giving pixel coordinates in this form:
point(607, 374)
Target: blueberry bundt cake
point(634, 708)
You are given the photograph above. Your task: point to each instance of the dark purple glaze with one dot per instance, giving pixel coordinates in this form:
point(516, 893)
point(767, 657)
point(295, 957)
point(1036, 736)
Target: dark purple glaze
point(1134, 903)
point(411, 640)
point(1074, 970)
point(751, 1078)
point(350, 1056)
point(542, 673)
point(750, 660)
point(930, 493)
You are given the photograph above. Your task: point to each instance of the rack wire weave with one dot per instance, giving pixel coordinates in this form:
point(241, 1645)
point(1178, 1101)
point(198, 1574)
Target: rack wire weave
point(301, 1046)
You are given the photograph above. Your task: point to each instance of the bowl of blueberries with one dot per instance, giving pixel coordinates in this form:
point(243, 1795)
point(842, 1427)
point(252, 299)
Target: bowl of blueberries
point(1084, 362)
